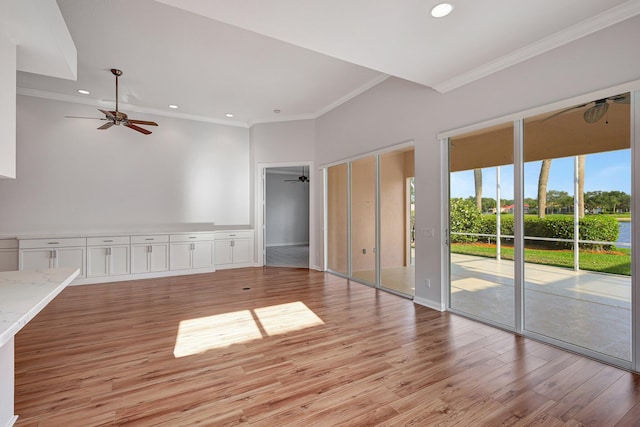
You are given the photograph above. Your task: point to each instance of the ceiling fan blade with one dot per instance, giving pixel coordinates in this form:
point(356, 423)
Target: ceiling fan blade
point(624, 98)
point(106, 125)
point(109, 114)
point(142, 122)
point(138, 128)
point(80, 117)
point(566, 110)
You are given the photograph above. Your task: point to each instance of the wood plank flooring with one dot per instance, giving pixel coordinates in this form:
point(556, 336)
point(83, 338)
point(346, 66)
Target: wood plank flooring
point(298, 348)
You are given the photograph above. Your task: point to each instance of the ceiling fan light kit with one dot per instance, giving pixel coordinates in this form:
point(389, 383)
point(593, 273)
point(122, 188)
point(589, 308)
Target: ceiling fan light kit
point(302, 178)
point(117, 117)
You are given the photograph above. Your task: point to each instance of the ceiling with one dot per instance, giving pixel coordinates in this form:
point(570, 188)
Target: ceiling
point(276, 60)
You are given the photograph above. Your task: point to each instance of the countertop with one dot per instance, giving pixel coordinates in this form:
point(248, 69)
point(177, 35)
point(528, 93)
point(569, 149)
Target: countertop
point(23, 294)
point(131, 231)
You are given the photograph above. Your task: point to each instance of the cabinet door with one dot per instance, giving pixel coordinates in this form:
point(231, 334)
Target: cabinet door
point(119, 260)
point(35, 259)
point(97, 261)
point(71, 258)
point(180, 256)
point(8, 260)
point(242, 251)
point(140, 259)
point(202, 254)
point(159, 258)
point(223, 252)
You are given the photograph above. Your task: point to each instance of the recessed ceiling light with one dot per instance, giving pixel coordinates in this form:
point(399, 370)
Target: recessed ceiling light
point(229, 115)
point(441, 10)
point(84, 91)
point(174, 106)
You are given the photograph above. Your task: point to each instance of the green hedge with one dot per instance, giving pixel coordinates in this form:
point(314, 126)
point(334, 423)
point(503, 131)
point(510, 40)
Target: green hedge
point(592, 227)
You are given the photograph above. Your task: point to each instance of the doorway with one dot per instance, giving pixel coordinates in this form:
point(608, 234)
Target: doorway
point(286, 216)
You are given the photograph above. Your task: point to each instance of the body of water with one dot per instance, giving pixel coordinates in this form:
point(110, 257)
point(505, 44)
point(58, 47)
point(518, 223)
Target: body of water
point(624, 234)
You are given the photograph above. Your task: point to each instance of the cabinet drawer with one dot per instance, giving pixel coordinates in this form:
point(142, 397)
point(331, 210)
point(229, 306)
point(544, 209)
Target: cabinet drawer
point(244, 234)
point(107, 241)
point(194, 237)
point(65, 242)
point(156, 238)
point(8, 243)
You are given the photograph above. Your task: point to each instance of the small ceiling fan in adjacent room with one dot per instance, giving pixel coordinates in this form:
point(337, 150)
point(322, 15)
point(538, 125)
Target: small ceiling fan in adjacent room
point(302, 178)
point(599, 108)
point(117, 117)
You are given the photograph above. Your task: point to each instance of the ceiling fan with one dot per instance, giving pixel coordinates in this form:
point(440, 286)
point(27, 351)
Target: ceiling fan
point(302, 178)
point(117, 117)
point(598, 109)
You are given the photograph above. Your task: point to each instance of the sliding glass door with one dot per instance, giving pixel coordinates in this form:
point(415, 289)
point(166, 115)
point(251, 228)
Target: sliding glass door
point(577, 267)
point(481, 210)
point(540, 241)
point(337, 219)
point(397, 271)
point(370, 220)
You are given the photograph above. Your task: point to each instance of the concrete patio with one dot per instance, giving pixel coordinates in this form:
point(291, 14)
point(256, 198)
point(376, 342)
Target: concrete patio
point(587, 309)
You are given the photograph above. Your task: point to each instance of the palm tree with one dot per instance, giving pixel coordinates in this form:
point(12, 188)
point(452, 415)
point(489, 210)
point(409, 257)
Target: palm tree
point(477, 178)
point(543, 179)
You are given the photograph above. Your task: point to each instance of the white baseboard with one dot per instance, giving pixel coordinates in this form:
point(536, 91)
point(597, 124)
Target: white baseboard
point(126, 277)
point(230, 266)
point(438, 306)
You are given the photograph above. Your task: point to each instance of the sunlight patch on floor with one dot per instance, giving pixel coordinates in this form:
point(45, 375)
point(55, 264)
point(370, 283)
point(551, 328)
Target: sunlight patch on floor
point(222, 330)
point(472, 285)
point(198, 335)
point(283, 318)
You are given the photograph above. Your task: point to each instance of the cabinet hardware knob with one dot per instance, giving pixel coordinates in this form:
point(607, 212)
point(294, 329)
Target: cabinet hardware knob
point(53, 243)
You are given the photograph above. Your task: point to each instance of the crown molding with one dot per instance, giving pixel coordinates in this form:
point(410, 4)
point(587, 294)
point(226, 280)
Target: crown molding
point(365, 87)
point(129, 107)
point(373, 82)
point(603, 20)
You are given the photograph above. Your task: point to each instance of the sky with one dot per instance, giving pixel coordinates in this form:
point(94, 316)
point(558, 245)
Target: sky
point(603, 172)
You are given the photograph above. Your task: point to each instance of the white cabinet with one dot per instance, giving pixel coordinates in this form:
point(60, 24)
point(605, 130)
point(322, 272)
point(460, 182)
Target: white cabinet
point(38, 254)
point(234, 249)
point(191, 251)
point(107, 256)
point(8, 254)
point(149, 254)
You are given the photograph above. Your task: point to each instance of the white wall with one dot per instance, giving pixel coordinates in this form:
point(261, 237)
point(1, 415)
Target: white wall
point(72, 177)
point(287, 144)
point(287, 210)
point(396, 111)
point(7, 108)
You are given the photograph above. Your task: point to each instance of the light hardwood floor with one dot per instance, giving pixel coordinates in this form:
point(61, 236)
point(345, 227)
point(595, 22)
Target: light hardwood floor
point(298, 348)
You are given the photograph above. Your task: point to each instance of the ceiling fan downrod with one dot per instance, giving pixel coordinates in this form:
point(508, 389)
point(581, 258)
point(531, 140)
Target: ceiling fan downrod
point(116, 73)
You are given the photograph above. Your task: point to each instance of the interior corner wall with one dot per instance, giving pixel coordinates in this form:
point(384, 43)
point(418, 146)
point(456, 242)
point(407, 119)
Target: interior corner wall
point(287, 211)
point(74, 178)
point(397, 110)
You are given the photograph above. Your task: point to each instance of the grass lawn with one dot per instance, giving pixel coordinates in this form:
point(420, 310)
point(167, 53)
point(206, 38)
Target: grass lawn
point(615, 262)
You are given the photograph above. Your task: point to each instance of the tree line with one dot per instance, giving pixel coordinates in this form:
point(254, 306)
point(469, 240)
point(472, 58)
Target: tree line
point(562, 202)
point(554, 201)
